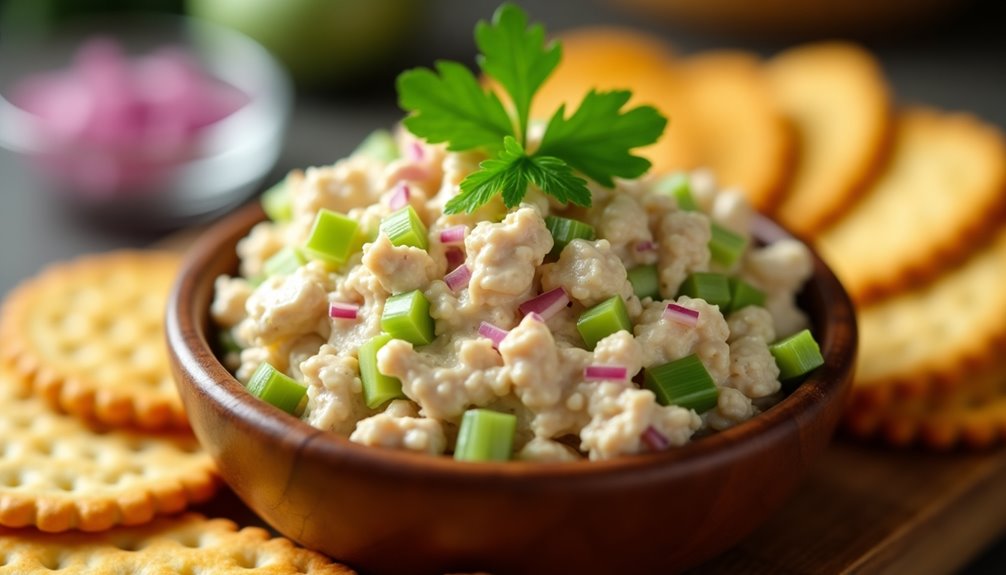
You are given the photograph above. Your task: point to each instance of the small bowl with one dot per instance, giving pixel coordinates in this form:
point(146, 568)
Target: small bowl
point(231, 156)
point(386, 511)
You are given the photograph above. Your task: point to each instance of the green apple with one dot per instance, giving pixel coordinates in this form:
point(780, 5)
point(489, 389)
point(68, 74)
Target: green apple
point(322, 42)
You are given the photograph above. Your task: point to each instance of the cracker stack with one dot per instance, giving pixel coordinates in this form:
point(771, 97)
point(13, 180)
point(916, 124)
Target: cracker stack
point(904, 203)
point(96, 451)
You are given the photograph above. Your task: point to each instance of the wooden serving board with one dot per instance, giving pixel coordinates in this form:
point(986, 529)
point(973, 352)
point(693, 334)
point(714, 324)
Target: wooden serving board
point(862, 510)
point(875, 510)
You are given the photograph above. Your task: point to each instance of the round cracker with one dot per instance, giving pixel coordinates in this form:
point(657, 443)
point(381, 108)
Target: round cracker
point(185, 544)
point(836, 99)
point(610, 58)
point(88, 336)
point(738, 130)
point(938, 195)
point(57, 473)
point(934, 340)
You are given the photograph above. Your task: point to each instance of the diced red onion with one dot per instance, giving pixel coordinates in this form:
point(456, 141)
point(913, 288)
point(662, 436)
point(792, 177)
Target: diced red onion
point(411, 172)
point(458, 278)
point(416, 152)
point(453, 235)
point(455, 257)
point(645, 246)
point(547, 304)
point(681, 314)
point(339, 310)
point(492, 332)
point(536, 316)
point(597, 372)
point(654, 440)
point(400, 198)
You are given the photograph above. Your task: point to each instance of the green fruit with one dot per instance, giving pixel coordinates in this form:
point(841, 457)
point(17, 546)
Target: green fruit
point(320, 41)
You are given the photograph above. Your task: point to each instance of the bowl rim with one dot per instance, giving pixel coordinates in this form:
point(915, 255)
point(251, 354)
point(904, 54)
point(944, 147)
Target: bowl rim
point(193, 356)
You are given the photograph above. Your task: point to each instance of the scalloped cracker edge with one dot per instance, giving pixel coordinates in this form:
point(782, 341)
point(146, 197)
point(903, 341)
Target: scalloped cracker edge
point(939, 195)
point(185, 544)
point(58, 474)
point(87, 336)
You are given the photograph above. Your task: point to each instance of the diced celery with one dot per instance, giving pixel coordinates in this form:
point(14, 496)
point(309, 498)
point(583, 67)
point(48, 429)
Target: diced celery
point(276, 388)
point(725, 246)
point(683, 382)
point(743, 294)
point(407, 316)
point(603, 320)
point(404, 228)
point(711, 287)
point(333, 238)
point(645, 281)
point(277, 204)
point(227, 343)
point(565, 230)
point(378, 388)
point(679, 187)
point(485, 435)
point(284, 262)
point(380, 145)
point(796, 355)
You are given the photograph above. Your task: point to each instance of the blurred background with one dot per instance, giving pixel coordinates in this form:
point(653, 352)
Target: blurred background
point(330, 82)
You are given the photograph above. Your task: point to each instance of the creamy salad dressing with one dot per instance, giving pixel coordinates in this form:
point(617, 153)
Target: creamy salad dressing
point(537, 372)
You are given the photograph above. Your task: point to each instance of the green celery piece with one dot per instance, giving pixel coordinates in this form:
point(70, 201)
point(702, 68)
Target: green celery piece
point(277, 204)
point(380, 145)
point(565, 230)
point(743, 294)
point(683, 382)
point(404, 228)
point(407, 316)
point(603, 320)
point(276, 388)
point(378, 388)
point(725, 246)
point(485, 435)
point(284, 262)
point(333, 238)
point(679, 187)
point(796, 355)
point(712, 287)
point(645, 281)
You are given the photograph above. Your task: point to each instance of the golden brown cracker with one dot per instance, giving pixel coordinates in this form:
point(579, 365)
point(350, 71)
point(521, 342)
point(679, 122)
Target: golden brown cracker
point(932, 340)
point(88, 336)
point(188, 543)
point(835, 97)
point(609, 58)
point(57, 473)
point(737, 127)
point(938, 195)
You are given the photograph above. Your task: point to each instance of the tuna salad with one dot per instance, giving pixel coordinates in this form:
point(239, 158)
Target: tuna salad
point(504, 294)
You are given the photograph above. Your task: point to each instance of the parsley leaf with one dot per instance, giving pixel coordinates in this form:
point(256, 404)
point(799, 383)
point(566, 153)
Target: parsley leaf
point(511, 173)
point(598, 137)
point(452, 108)
point(515, 55)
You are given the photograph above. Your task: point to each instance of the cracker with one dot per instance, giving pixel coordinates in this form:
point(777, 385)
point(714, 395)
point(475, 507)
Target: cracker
point(185, 544)
point(933, 340)
point(88, 336)
point(57, 473)
point(736, 125)
point(835, 97)
point(609, 58)
point(939, 195)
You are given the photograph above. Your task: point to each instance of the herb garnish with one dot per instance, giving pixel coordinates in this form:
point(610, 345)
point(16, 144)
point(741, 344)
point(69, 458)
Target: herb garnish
point(449, 105)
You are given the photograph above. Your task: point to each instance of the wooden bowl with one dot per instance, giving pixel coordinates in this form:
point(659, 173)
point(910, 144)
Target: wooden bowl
point(386, 511)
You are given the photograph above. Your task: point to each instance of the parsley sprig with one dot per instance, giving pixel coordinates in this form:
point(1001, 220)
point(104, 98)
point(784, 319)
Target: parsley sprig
point(450, 106)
